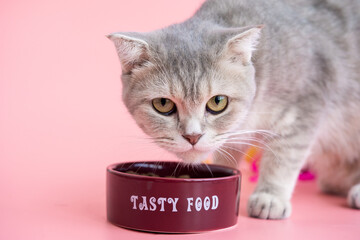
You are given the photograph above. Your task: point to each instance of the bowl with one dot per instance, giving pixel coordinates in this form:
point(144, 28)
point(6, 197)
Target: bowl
point(172, 197)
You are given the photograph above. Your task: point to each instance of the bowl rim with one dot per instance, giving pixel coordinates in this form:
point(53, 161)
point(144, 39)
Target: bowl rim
point(111, 170)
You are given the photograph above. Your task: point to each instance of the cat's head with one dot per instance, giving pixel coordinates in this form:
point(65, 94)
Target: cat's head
point(188, 90)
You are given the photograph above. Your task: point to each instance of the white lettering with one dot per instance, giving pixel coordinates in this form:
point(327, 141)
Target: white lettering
point(143, 205)
point(215, 202)
point(198, 204)
point(206, 203)
point(161, 201)
point(133, 199)
point(190, 203)
point(158, 204)
point(152, 203)
point(174, 202)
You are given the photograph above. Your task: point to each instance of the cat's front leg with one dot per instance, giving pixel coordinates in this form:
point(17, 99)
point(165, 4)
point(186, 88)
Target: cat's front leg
point(279, 169)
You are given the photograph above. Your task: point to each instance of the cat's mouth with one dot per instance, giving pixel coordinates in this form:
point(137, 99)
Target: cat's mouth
point(193, 155)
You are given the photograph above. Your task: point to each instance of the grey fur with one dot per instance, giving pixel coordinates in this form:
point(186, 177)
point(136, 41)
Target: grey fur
point(302, 85)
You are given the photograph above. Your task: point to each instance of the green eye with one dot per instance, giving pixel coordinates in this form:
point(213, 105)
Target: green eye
point(217, 104)
point(164, 106)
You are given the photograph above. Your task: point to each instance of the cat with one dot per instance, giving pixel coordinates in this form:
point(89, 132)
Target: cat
point(284, 75)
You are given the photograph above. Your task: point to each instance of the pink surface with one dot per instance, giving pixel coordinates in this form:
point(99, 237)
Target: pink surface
point(62, 122)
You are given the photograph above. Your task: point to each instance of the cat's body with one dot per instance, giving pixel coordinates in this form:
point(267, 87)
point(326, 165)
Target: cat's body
point(302, 84)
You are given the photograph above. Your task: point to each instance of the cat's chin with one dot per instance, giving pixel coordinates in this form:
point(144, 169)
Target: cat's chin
point(193, 156)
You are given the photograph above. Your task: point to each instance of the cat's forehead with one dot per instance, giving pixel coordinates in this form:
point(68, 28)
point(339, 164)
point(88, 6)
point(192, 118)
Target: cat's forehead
point(191, 89)
point(191, 92)
point(189, 81)
point(183, 59)
point(187, 73)
point(186, 68)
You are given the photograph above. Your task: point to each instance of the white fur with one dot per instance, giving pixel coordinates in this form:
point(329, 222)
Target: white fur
point(193, 127)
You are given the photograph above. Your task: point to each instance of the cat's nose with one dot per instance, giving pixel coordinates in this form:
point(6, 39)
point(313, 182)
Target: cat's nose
point(193, 138)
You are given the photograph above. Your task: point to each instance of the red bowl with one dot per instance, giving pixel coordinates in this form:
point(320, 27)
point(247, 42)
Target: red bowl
point(208, 200)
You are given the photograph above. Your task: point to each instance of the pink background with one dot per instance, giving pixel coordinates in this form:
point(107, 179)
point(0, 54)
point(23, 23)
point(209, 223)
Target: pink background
point(62, 122)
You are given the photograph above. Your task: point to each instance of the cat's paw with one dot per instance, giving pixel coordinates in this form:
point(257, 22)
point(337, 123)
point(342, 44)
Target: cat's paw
point(353, 198)
point(268, 206)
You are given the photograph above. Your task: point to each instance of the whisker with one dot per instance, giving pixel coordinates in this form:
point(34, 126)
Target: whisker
point(247, 138)
point(230, 158)
point(267, 147)
point(266, 139)
point(163, 142)
point(230, 155)
point(237, 150)
point(207, 166)
point(259, 131)
point(219, 151)
point(174, 172)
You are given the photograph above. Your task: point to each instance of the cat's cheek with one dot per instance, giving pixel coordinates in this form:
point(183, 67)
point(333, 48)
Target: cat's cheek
point(143, 125)
point(226, 122)
point(181, 145)
point(152, 124)
point(208, 143)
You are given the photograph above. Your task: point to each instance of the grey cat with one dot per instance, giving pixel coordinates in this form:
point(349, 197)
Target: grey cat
point(284, 75)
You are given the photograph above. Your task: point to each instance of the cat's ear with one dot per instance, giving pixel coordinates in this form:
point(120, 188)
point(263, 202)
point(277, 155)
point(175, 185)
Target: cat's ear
point(132, 51)
point(241, 46)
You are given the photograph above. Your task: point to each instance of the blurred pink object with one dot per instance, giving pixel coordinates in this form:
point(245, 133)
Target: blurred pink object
point(253, 178)
point(306, 175)
point(255, 167)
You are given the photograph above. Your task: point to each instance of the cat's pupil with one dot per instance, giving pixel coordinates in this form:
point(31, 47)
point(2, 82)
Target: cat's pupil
point(218, 99)
point(163, 101)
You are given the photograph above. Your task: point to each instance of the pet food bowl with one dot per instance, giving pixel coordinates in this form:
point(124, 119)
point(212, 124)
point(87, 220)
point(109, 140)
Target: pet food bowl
point(172, 197)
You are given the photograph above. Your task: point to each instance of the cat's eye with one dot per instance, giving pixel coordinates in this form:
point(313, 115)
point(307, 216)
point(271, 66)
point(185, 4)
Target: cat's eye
point(217, 104)
point(164, 106)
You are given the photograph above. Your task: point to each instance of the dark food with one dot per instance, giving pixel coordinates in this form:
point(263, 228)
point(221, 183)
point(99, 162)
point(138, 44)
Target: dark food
point(150, 174)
